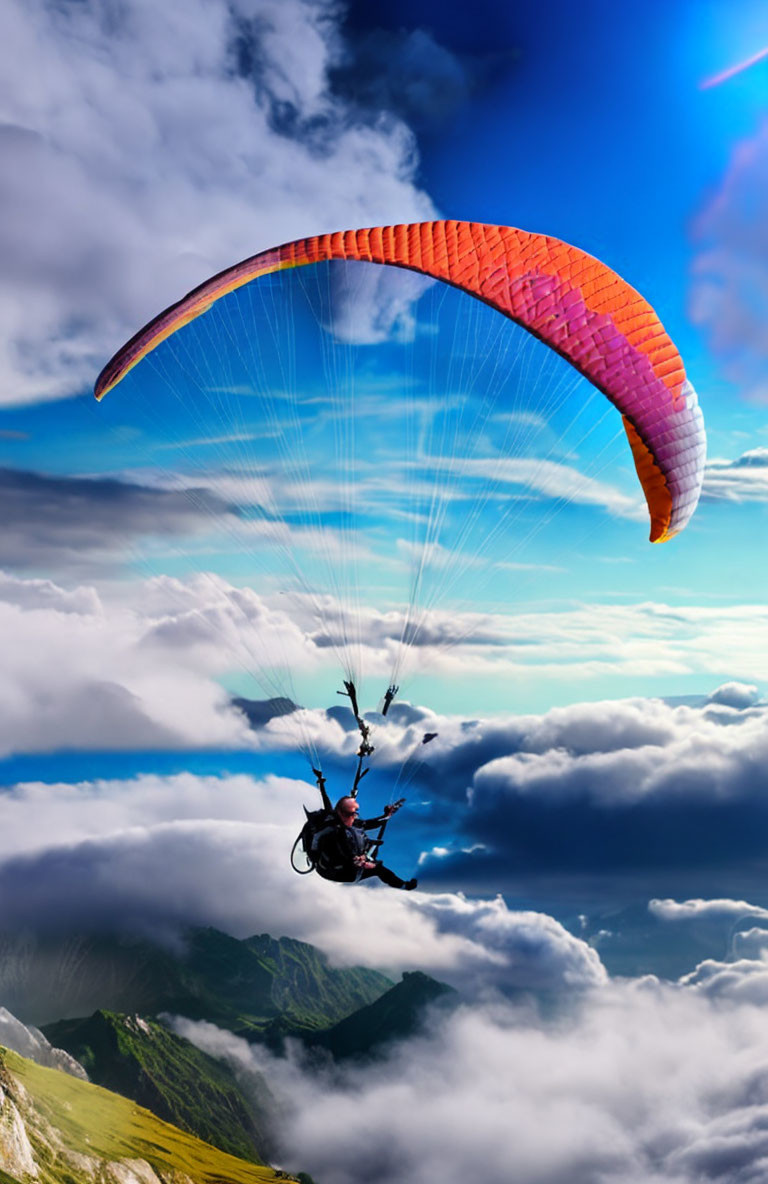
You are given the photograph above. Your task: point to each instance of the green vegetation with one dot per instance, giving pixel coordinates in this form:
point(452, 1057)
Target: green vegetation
point(395, 1015)
point(143, 1060)
point(261, 987)
point(76, 1130)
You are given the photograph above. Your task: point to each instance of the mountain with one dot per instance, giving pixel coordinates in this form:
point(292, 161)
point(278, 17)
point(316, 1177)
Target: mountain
point(397, 1014)
point(56, 1129)
point(305, 993)
point(259, 712)
point(142, 1060)
point(259, 987)
point(30, 1042)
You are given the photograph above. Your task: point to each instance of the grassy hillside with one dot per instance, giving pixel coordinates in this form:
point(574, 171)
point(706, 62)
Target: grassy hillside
point(73, 1132)
point(142, 1060)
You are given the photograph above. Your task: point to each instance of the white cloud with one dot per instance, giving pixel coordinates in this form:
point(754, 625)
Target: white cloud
point(694, 910)
point(631, 751)
point(85, 671)
point(545, 478)
point(742, 480)
point(143, 667)
point(38, 594)
point(608, 790)
point(735, 694)
point(109, 666)
point(643, 1083)
point(744, 980)
point(147, 147)
point(374, 304)
point(533, 951)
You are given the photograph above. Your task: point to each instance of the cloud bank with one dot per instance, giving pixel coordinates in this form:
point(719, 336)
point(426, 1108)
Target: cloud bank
point(641, 1082)
point(100, 856)
point(605, 789)
point(606, 792)
point(150, 655)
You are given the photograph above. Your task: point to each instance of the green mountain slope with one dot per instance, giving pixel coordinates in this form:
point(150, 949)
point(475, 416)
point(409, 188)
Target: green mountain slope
point(266, 985)
point(142, 1060)
point(57, 1129)
point(261, 985)
point(395, 1015)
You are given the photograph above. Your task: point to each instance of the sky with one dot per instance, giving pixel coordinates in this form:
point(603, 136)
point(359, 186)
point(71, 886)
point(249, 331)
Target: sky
point(338, 459)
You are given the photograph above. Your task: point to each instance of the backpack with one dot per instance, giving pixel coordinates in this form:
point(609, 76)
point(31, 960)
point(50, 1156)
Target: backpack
point(305, 851)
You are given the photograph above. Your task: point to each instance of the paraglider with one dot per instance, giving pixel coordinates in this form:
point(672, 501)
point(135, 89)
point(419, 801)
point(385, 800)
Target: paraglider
point(567, 299)
point(334, 843)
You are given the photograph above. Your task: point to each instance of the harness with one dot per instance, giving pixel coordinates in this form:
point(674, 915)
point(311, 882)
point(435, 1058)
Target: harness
point(307, 853)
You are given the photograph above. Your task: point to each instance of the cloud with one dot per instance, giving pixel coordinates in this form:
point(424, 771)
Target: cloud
point(687, 910)
point(718, 927)
point(45, 594)
point(729, 287)
point(601, 792)
point(372, 304)
point(744, 980)
point(739, 695)
point(742, 480)
point(87, 526)
point(641, 1082)
point(533, 952)
point(751, 944)
point(544, 478)
point(594, 789)
point(574, 1096)
point(89, 670)
point(158, 145)
point(150, 655)
point(697, 757)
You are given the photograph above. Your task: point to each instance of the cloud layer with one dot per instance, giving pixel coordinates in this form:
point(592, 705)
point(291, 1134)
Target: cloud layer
point(106, 855)
point(641, 1082)
point(148, 655)
point(595, 789)
point(610, 791)
point(634, 1080)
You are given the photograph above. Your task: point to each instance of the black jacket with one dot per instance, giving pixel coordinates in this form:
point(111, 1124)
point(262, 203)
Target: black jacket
point(337, 845)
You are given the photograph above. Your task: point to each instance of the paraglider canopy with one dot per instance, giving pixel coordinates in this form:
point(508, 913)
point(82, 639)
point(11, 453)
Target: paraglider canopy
point(570, 300)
